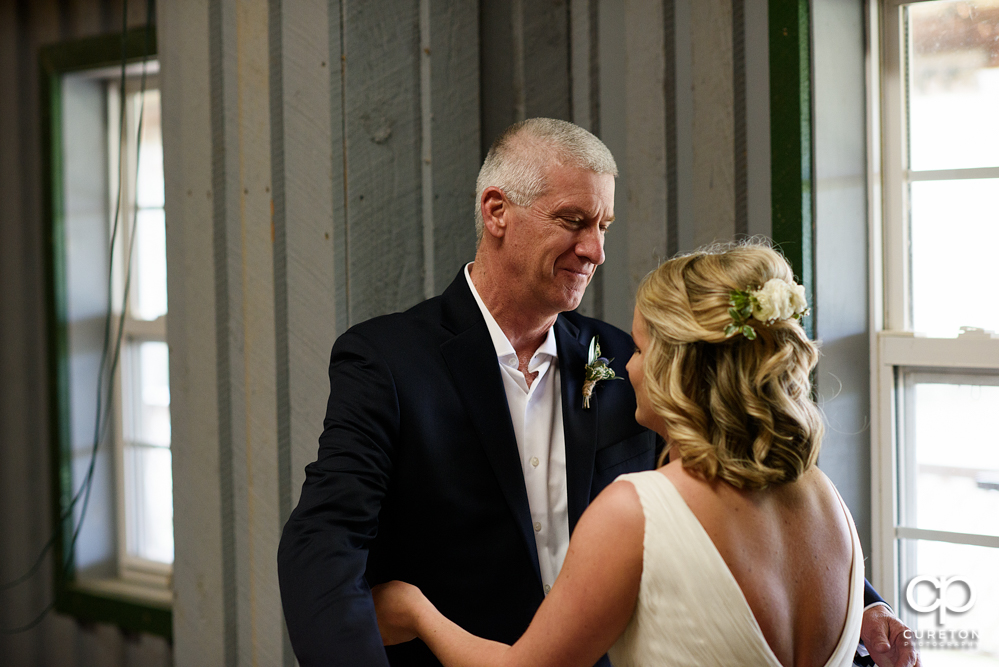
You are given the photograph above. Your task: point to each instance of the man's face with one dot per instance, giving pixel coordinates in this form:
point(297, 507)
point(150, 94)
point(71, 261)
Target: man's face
point(556, 243)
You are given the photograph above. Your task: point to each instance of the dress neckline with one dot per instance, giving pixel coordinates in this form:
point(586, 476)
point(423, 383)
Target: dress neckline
point(713, 550)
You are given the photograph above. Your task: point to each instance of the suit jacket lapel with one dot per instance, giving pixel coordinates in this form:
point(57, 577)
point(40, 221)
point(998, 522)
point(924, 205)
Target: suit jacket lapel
point(580, 426)
point(471, 360)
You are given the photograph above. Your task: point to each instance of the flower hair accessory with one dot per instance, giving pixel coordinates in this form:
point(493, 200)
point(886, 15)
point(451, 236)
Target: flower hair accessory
point(597, 369)
point(776, 300)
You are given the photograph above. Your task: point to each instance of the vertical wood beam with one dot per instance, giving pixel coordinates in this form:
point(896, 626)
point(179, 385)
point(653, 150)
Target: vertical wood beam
point(713, 124)
point(200, 627)
point(382, 110)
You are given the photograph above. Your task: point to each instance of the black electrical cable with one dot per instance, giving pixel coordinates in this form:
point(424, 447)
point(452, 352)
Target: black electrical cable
point(102, 416)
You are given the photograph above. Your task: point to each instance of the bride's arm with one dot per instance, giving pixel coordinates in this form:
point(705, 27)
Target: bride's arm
point(586, 611)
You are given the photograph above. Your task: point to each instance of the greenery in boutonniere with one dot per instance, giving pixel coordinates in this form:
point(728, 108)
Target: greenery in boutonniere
point(597, 369)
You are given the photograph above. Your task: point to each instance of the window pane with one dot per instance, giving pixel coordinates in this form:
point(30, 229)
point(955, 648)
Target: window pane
point(953, 84)
point(954, 235)
point(149, 503)
point(949, 466)
point(149, 185)
point(940, 560)
point(147, 409)
point(149, 279)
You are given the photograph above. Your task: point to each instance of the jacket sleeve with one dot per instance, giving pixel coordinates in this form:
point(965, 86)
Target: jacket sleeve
point(324, 547)
point(871, 596)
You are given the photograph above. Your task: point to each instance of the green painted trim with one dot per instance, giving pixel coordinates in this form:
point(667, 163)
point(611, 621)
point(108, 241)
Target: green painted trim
point(56, 61)
point(126, 614)
point(791, 158)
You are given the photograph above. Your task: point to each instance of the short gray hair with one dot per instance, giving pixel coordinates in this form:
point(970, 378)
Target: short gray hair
point(518, 159)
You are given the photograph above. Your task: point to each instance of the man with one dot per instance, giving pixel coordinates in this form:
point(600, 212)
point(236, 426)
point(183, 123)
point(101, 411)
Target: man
point(457, 453)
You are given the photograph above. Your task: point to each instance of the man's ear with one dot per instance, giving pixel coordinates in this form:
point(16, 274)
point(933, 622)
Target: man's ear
point(495, 209)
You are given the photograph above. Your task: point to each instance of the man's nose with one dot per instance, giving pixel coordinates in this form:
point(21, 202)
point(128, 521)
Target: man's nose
point(591, 245)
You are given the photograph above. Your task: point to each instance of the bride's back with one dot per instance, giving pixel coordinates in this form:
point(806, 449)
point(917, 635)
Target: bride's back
point(722, 370)
point(789, 548)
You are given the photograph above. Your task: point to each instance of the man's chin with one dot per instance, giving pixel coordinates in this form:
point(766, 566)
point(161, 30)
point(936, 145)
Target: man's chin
point(571, 298)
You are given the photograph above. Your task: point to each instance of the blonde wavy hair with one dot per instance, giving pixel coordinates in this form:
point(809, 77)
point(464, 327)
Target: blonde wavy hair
point(735, 409)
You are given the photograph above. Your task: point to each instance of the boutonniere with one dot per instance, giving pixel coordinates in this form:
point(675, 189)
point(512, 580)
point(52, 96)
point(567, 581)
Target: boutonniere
point(597, 369)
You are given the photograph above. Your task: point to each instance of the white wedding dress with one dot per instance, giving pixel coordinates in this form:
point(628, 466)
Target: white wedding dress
point(690, 609)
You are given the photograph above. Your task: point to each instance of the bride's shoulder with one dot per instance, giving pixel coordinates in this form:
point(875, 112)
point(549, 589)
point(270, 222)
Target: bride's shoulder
point(619, 503)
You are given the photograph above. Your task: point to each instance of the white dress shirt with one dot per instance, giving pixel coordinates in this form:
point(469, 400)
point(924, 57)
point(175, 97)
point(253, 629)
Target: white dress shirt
point(536, 412)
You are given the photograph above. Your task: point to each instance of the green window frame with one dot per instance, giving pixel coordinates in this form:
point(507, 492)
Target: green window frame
point(56, 61)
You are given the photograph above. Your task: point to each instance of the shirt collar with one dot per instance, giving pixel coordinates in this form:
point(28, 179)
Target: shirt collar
point(500, 342)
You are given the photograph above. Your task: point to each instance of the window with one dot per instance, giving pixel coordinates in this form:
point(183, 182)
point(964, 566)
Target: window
point(935, 359)
point(144, 480)
point(108, 314)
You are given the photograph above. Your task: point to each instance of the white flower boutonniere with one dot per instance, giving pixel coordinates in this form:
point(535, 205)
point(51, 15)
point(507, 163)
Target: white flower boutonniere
point(597, 369)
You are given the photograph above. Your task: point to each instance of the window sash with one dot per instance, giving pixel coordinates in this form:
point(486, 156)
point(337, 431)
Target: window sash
point(893, 346)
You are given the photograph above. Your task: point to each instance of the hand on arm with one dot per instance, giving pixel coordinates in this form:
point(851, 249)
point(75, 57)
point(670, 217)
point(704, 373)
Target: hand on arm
point(884, 637)
point(586, 611)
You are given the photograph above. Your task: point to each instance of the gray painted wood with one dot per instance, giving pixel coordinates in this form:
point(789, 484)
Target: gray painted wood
point(499, 99)
point(198, 617)
point(308, 184)
point(713, 128)
point(546, 59)
point(616, 283)
point(757, 47)
point(252, 331)
point(454, 136)
point(382, 105)
point(684, 50)
point(841, 275)
point(646, 127)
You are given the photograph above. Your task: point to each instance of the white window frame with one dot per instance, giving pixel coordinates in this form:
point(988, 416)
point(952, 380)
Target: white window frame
point(154, 575)
point(893, 344)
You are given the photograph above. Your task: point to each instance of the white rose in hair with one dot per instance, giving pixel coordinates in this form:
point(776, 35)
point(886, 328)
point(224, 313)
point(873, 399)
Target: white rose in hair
point(798, 301)
point(772, 300)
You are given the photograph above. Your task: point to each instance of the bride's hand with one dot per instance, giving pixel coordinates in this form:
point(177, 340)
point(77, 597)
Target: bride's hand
point(397, 604)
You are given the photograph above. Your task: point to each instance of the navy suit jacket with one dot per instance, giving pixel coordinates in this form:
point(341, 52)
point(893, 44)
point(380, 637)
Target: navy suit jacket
point(419, 478)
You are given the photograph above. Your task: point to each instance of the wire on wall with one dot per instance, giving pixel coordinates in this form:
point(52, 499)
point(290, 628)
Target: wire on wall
point(105, 374)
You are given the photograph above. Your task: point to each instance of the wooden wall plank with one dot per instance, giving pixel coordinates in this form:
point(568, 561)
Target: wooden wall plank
point(613, 92)
point(309, 158)
point(251, 276)
point(198, 613)
point(683, 53)
point(454, 103)
point(546, 59)
point(382, 107)
point(713, 121)
point(757, 118)
point(499, 100)
point(646, 126)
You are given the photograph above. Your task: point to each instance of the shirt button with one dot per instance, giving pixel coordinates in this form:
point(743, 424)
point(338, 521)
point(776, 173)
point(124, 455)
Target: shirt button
point(537, 526)
point(535, 461)
point(512, 363)
point(547, 589)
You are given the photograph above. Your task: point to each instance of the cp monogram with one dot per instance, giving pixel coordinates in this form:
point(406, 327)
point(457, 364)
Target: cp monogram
point(940, 604)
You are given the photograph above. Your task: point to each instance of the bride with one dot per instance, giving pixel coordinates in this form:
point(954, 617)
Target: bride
point(739, 551)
